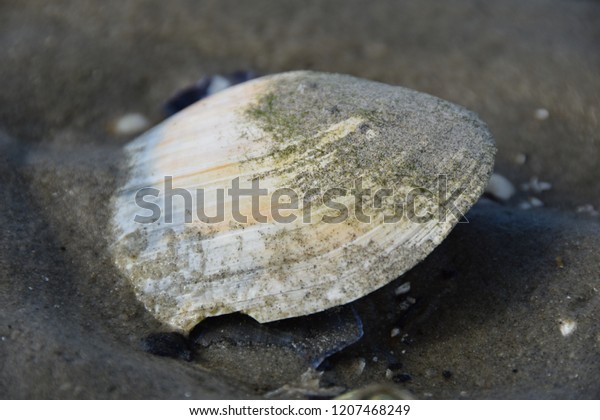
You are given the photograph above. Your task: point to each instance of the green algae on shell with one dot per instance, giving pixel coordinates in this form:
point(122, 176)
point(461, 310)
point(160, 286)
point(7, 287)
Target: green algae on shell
point(324, 142)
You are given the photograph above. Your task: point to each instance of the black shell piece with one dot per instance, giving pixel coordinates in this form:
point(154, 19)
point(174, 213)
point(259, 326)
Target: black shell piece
point(314, 337)
point(202, 89)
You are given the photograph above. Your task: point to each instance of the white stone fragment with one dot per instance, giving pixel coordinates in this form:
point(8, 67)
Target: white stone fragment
point(130, 124)
point(541, 114)
point(500, 187)
point(395, 332)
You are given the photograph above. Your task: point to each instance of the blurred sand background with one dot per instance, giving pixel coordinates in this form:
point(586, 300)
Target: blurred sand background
point(494, 295)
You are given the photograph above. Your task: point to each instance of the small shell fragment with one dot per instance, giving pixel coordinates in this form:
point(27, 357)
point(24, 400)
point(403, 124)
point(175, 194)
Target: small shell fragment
point(567, 327)
point(192, 247)
point(402, 289)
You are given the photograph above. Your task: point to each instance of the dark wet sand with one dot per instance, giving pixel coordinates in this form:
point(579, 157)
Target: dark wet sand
point(489, 301)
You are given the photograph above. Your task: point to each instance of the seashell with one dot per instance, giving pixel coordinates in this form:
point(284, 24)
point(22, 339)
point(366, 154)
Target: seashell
point(361, 181)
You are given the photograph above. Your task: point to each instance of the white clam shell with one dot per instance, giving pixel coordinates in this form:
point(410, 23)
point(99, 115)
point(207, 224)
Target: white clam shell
point(297, 130)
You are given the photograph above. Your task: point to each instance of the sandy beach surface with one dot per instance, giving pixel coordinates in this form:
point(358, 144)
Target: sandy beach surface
point(508, 306)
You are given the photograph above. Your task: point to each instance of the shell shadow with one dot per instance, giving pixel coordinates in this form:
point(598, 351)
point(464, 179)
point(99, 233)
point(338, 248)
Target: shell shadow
point(275, 353)
point(481, 272)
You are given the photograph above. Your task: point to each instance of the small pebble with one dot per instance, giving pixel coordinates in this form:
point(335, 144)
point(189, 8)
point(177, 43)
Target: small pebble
point(588, 209)
point(388, 374)
point(567, 327)
point(521, 159)
point(402, 289)
point(130, 124)
point(559, 262)
point(407, 303)
point(536, 186)
point(541, 114)
point(536, 202)
point(395, 332)
point(500, 188)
